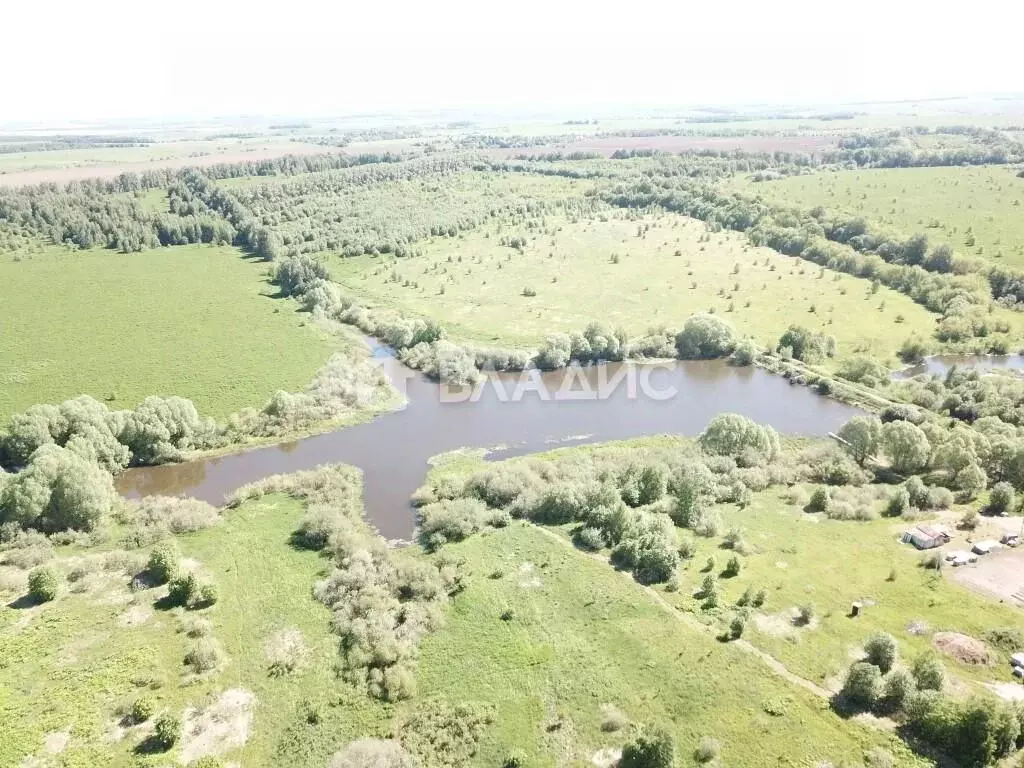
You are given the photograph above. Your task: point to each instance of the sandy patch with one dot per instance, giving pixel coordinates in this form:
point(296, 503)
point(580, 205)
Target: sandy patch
point(528, 577)
point(963, 648)
point(190, 564)
point(134, 616)
point(56, 742)
point(606, 758)
point(776, 624)
point(1007, 691)
point(218, 727)
point(781, 564)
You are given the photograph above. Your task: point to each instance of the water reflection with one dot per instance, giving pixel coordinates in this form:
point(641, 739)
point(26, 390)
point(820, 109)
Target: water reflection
point(939, 365)
point(526, 413)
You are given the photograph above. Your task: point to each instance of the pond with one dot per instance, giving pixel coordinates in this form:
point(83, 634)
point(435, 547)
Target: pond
point(939, 365)
point(515, 414)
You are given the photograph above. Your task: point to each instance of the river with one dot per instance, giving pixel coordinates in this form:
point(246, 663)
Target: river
point(514, 413)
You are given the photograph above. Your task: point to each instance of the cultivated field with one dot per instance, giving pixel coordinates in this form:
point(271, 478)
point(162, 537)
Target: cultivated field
point(601, 269)
point(195, 321)
point(60, 167)
point(976, 210)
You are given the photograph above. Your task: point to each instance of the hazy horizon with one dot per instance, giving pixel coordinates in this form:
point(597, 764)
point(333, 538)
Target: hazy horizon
point(116, 60)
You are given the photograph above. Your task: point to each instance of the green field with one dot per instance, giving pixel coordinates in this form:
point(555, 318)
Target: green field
point(69, 665)
point(194, 321)
point(800, 558)
point(944, 203)
point(601, 270)
point(583, 635)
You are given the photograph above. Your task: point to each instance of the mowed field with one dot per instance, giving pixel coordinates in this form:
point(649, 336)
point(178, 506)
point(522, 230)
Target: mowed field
point(194, 321)
point(978, 211)
point(602, 270)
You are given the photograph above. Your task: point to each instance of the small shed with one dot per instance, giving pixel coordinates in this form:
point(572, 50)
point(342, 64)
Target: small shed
point(925, 537)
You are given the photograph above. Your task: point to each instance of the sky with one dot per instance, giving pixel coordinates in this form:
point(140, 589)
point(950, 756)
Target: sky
point(116, 59)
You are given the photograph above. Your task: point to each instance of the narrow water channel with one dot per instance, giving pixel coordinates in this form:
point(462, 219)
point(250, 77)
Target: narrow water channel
point(522, 413)
point(939, 365)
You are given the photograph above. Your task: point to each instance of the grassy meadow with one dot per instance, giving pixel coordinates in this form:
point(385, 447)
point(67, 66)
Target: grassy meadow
point(581, 636)
point(194, 321)
point(976, 210)
point(71, 666)
point(635, 272)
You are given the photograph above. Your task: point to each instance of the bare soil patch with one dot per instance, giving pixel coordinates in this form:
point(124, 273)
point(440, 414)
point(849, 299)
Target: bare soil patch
point(65, 175)
point(218, 727)
point(999, 575)
point(56, 742)
point(963, 648)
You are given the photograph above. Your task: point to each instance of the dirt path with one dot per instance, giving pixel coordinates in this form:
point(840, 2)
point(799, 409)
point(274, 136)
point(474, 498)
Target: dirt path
point(773, 664)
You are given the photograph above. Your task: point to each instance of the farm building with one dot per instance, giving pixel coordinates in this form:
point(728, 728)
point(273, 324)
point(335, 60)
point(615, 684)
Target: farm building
point(926, 537)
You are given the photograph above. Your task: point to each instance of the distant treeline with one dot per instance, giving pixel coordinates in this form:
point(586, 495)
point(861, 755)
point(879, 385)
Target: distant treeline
point(14, 144)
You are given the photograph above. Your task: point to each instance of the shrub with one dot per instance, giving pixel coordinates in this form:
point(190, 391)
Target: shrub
point(208, 594)
point(732, 567)
point(863, 684)
point(141, 710)
point(612, 718)
point(970, 520)
point(589, 538)
point(737, 625)
point(876, 757)
point(805, 614)
point(183, 590)
point(654, 750)
point(708, 749)
point(928, 672)
point(163, 563)
point(43, 584)
point(204, 655)
point(1001, 498)
point(820, 500)
point(729, 434)
point(897, 687)
point(286, 651)
point(515, 759)
point(906, 445)
point(917, 492)
point(881, 651)
point(899, 503)
point(166, 731)
point(705, 336)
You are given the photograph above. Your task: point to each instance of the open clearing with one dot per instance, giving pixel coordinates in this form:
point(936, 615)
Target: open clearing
point(194, 321)
point(943, 203)
point(60, 167)
point(601, 270)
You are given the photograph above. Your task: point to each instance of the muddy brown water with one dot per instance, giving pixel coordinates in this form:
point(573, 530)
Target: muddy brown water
point(515, 414)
